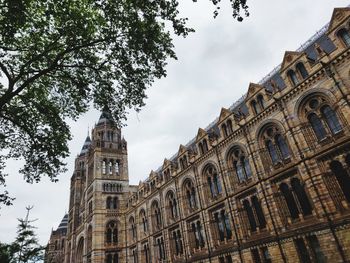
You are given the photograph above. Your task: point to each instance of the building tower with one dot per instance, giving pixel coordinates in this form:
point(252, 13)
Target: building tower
point(98, 194)
point(55, 249)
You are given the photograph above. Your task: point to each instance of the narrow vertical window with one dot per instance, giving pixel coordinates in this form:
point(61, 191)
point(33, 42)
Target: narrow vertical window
point(342, 177)
point(302, 196)
point(272, 152)
point(250, 215)
point(302, 70)
point(317, 126)
point(302, 250)
point(289, 198)
point(259, 212)
point(282, 146)
point(293, 77)
point(331, 119)
point(345, 36)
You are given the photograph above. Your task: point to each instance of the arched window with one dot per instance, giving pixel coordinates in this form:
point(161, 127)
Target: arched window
point(293, 77)
point(156, 214)
point(255, 107)
point(302, 70)
point(110, 168)
point(115, 203)
point(345, 36)
point(109, 202)
point(172, 205)
point(143, 221)
point(321, 117)
point(258, 211)
point(240, 164)
point(275, 144)
point(331, 119)
point(190, 191)
point(80, 251)
point(342, 177)
point(116, 167)
point(212, 177)
point(103, 167)
point(112, 233)
point(229, 126)
point(301, 196)
point(132, 228)
point(249, 211)
point(282, 146)
point(224, 130)
point(89, 239)
point(289, 198)
point(205, 146)
point(261, 101)
point(317, 126)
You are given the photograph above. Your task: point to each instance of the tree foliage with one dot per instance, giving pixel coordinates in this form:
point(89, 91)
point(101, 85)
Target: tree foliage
point(58, 57)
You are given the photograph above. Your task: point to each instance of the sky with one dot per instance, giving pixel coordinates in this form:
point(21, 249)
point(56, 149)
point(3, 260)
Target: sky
point(214, 68)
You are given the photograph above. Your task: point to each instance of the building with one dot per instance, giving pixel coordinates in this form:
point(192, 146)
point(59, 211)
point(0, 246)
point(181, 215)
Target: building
point(55, 249)
point(268, 181)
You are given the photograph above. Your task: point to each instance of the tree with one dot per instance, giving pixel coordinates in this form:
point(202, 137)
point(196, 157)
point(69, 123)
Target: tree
point(58, 57)
point(25, 248)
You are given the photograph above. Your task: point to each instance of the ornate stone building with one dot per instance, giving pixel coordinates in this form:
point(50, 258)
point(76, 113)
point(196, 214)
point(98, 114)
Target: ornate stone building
point(268, 181)
point(55, 249)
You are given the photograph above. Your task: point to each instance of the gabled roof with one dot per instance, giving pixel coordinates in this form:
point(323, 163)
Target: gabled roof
point(200, 134)
point(253, 89)
point(224, 113)
point(182, 149)
point(338, 16)
point(289, 57)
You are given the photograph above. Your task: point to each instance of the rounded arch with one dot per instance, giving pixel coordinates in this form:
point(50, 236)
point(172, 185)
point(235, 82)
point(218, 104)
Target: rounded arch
point(234, 147)
point(302, 100)
point(186, 179)
point(207, 165)
point(267, 124)
point(80, 250)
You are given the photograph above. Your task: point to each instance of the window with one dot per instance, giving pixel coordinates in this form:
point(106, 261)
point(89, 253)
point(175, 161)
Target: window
point(132, 228)
point(345, 36)
point(226, 259)
point(112, 202)
point(331, 119)
point(177, 242)
point(203, 147)
point(103, 167)
point(321, 117)
point(303, 253)
point(293, 77)
point(240, 164)
point(146, 253)
point(316, 249)
point(255, 107)
point(254, 213)
point(222, 225)
point(190, 193)
point(212, 178)
point(143, 221)
point(255, 255)
point(172, 205)
point(89, 239)
point(229, 126)
point(112, 233)
point(224, 130)
point(156, 214)
point(110, 168)
point(112, 257)
point(265, 255)
point(342, 177)
point(116, 168)
point(134, 256)
point(302, 70)
point(197, 235)
point(261, 101)
point(295, 197)
point(183, 162)
point(160, 248)
point(275, 144)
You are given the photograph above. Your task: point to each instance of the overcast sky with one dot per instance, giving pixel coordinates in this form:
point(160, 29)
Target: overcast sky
point(214, 68)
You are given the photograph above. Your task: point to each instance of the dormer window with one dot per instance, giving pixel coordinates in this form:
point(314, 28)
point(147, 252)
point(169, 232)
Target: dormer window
point(293, 77)
point(261, 102)
point(302, 70)
point(203, 146)
point(255, 107)
point(227, 128)
point(224, 130)
point(183, 162)
point(344, 35)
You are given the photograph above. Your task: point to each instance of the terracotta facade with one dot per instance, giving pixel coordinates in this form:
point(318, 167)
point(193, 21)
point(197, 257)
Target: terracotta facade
point(268, 181)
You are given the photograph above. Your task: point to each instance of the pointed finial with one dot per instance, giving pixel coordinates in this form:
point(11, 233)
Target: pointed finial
point(88, 130)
